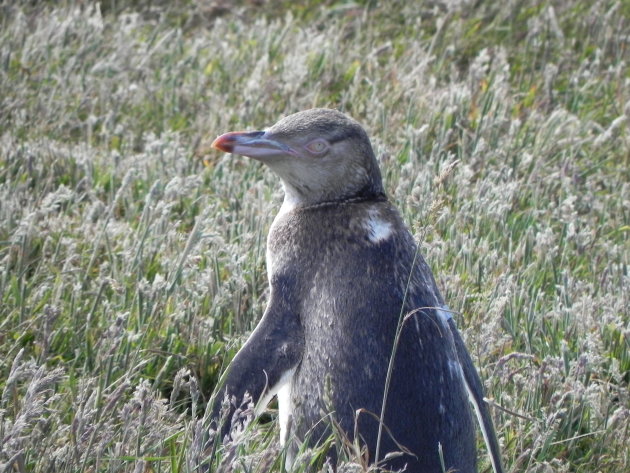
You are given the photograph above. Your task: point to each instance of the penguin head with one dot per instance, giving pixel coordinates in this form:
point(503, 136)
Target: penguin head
point(320, 154)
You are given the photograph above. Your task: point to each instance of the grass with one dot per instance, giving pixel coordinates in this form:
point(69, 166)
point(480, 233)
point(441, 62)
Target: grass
point(132, 263)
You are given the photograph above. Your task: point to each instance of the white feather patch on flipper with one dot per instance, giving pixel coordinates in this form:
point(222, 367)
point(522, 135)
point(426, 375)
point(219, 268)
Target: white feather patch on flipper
point(482, 426)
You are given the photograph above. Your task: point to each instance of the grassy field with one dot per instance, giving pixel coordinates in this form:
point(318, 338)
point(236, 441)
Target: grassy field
point(132, 260)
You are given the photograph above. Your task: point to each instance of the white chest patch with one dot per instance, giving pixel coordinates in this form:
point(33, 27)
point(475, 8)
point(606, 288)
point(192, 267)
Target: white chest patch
point(283, 390)
point(288, 204)
point(285, 410)
point(378, 229)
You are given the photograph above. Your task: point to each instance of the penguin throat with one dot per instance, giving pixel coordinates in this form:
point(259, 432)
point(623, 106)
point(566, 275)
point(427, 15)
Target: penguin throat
point(354, 199)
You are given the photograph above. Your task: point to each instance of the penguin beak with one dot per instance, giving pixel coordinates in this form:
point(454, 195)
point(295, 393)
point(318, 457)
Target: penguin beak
point(253, 144)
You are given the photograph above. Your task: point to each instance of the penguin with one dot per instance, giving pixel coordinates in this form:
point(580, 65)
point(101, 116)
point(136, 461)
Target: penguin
point(356, 335)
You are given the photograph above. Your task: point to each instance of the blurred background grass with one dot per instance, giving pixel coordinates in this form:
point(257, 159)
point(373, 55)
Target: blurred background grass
point(132, 258)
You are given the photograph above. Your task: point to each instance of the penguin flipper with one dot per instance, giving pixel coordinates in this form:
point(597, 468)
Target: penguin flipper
point(476, 397)
point(264, 363)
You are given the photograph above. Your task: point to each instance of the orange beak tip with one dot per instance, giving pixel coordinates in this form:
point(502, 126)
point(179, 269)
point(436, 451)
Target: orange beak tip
point(225, 142)
point(216, 144)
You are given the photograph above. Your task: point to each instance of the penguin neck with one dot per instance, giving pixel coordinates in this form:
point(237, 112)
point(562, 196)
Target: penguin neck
point(366, 194)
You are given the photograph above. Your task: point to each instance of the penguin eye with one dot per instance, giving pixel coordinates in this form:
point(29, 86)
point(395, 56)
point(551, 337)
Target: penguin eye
point(318, 146)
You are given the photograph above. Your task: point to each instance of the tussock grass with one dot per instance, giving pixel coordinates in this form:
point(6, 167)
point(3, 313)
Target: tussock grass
point(130, 272)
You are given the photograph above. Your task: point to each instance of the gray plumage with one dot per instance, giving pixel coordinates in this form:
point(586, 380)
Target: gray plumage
point(344, 273)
